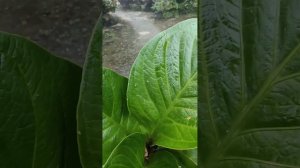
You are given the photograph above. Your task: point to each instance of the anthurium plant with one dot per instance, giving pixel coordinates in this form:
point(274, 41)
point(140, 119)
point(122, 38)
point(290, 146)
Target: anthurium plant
point(150, 119)
point(52, 111)
point(56, 114)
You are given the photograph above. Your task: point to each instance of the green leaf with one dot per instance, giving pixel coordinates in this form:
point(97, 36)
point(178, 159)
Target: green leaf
point(117, 123)
point(186, 158)
point(162, 90)
point(89, 104)
point(162, 159)
point(191, 154)
point(129, 153)
point(38, 98)
point(249, 84)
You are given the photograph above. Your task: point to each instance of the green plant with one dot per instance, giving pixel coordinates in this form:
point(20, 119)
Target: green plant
point(136, 4)
point(249, 84)
point(248, 96)
point(165, 9)
point(188, 6)
point(39, 93)
point(109, 5)
point(172, 8)
point(155, 109)
point(46, 102)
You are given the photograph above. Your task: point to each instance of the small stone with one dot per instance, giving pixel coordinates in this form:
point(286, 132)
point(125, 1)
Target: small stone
point(69, 5)
point(84, 29)
point(24, 22)
point(71, 22)
point(44, 32)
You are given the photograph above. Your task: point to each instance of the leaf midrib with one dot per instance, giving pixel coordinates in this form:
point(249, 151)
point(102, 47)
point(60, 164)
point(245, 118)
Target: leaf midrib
point(234, 131)
point(243, 66)
point(262, 92)
point(204, 68)
point(172, 105)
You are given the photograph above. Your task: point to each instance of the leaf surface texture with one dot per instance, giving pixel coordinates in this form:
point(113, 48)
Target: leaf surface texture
point(38, 98)
point(249, 84)
point(162, 89)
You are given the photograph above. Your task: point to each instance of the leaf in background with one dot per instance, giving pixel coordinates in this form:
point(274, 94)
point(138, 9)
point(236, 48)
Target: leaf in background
point(129, 153)
point(162, 90)
point(38, 98)
point(162, 159)
point(186, 158)
point(249, 84)
point(89, 104)
point(117, 123)
point(191, 154)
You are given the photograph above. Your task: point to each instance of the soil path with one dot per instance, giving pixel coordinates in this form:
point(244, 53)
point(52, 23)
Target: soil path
point(122, 42)
point(142, 24)
point(135, 30)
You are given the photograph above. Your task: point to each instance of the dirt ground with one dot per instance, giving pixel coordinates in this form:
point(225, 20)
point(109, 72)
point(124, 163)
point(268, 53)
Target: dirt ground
point(62, 26)
point(123, 41)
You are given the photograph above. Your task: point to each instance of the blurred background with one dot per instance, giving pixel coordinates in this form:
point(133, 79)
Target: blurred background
point(129, 24)
point(62, 26)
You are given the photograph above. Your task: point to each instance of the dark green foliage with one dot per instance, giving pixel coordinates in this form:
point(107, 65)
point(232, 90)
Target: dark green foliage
point(109, 6)
point(136, 4)
point(38, 98)
point(172, 8)
point(249, 85)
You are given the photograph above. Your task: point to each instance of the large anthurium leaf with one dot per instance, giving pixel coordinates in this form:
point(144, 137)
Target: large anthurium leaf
point(38, 98)
point(249, 84)
point(117, 123)
point(162, 90)
point(128, 153)
point(162, 159)
point(89, 105)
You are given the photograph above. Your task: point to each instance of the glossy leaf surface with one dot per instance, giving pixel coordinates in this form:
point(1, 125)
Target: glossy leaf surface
point(117, 123)
point(162, 90)
point(38, 98)
point(249, 84)
point(162, 159)
point(128, 153)
point(89, 104)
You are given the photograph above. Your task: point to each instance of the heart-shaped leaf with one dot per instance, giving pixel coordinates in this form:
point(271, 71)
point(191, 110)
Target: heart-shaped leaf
point(129, 153)
point(249, 84)
point(38, 98)
point(162, 90)
point(117, 123)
